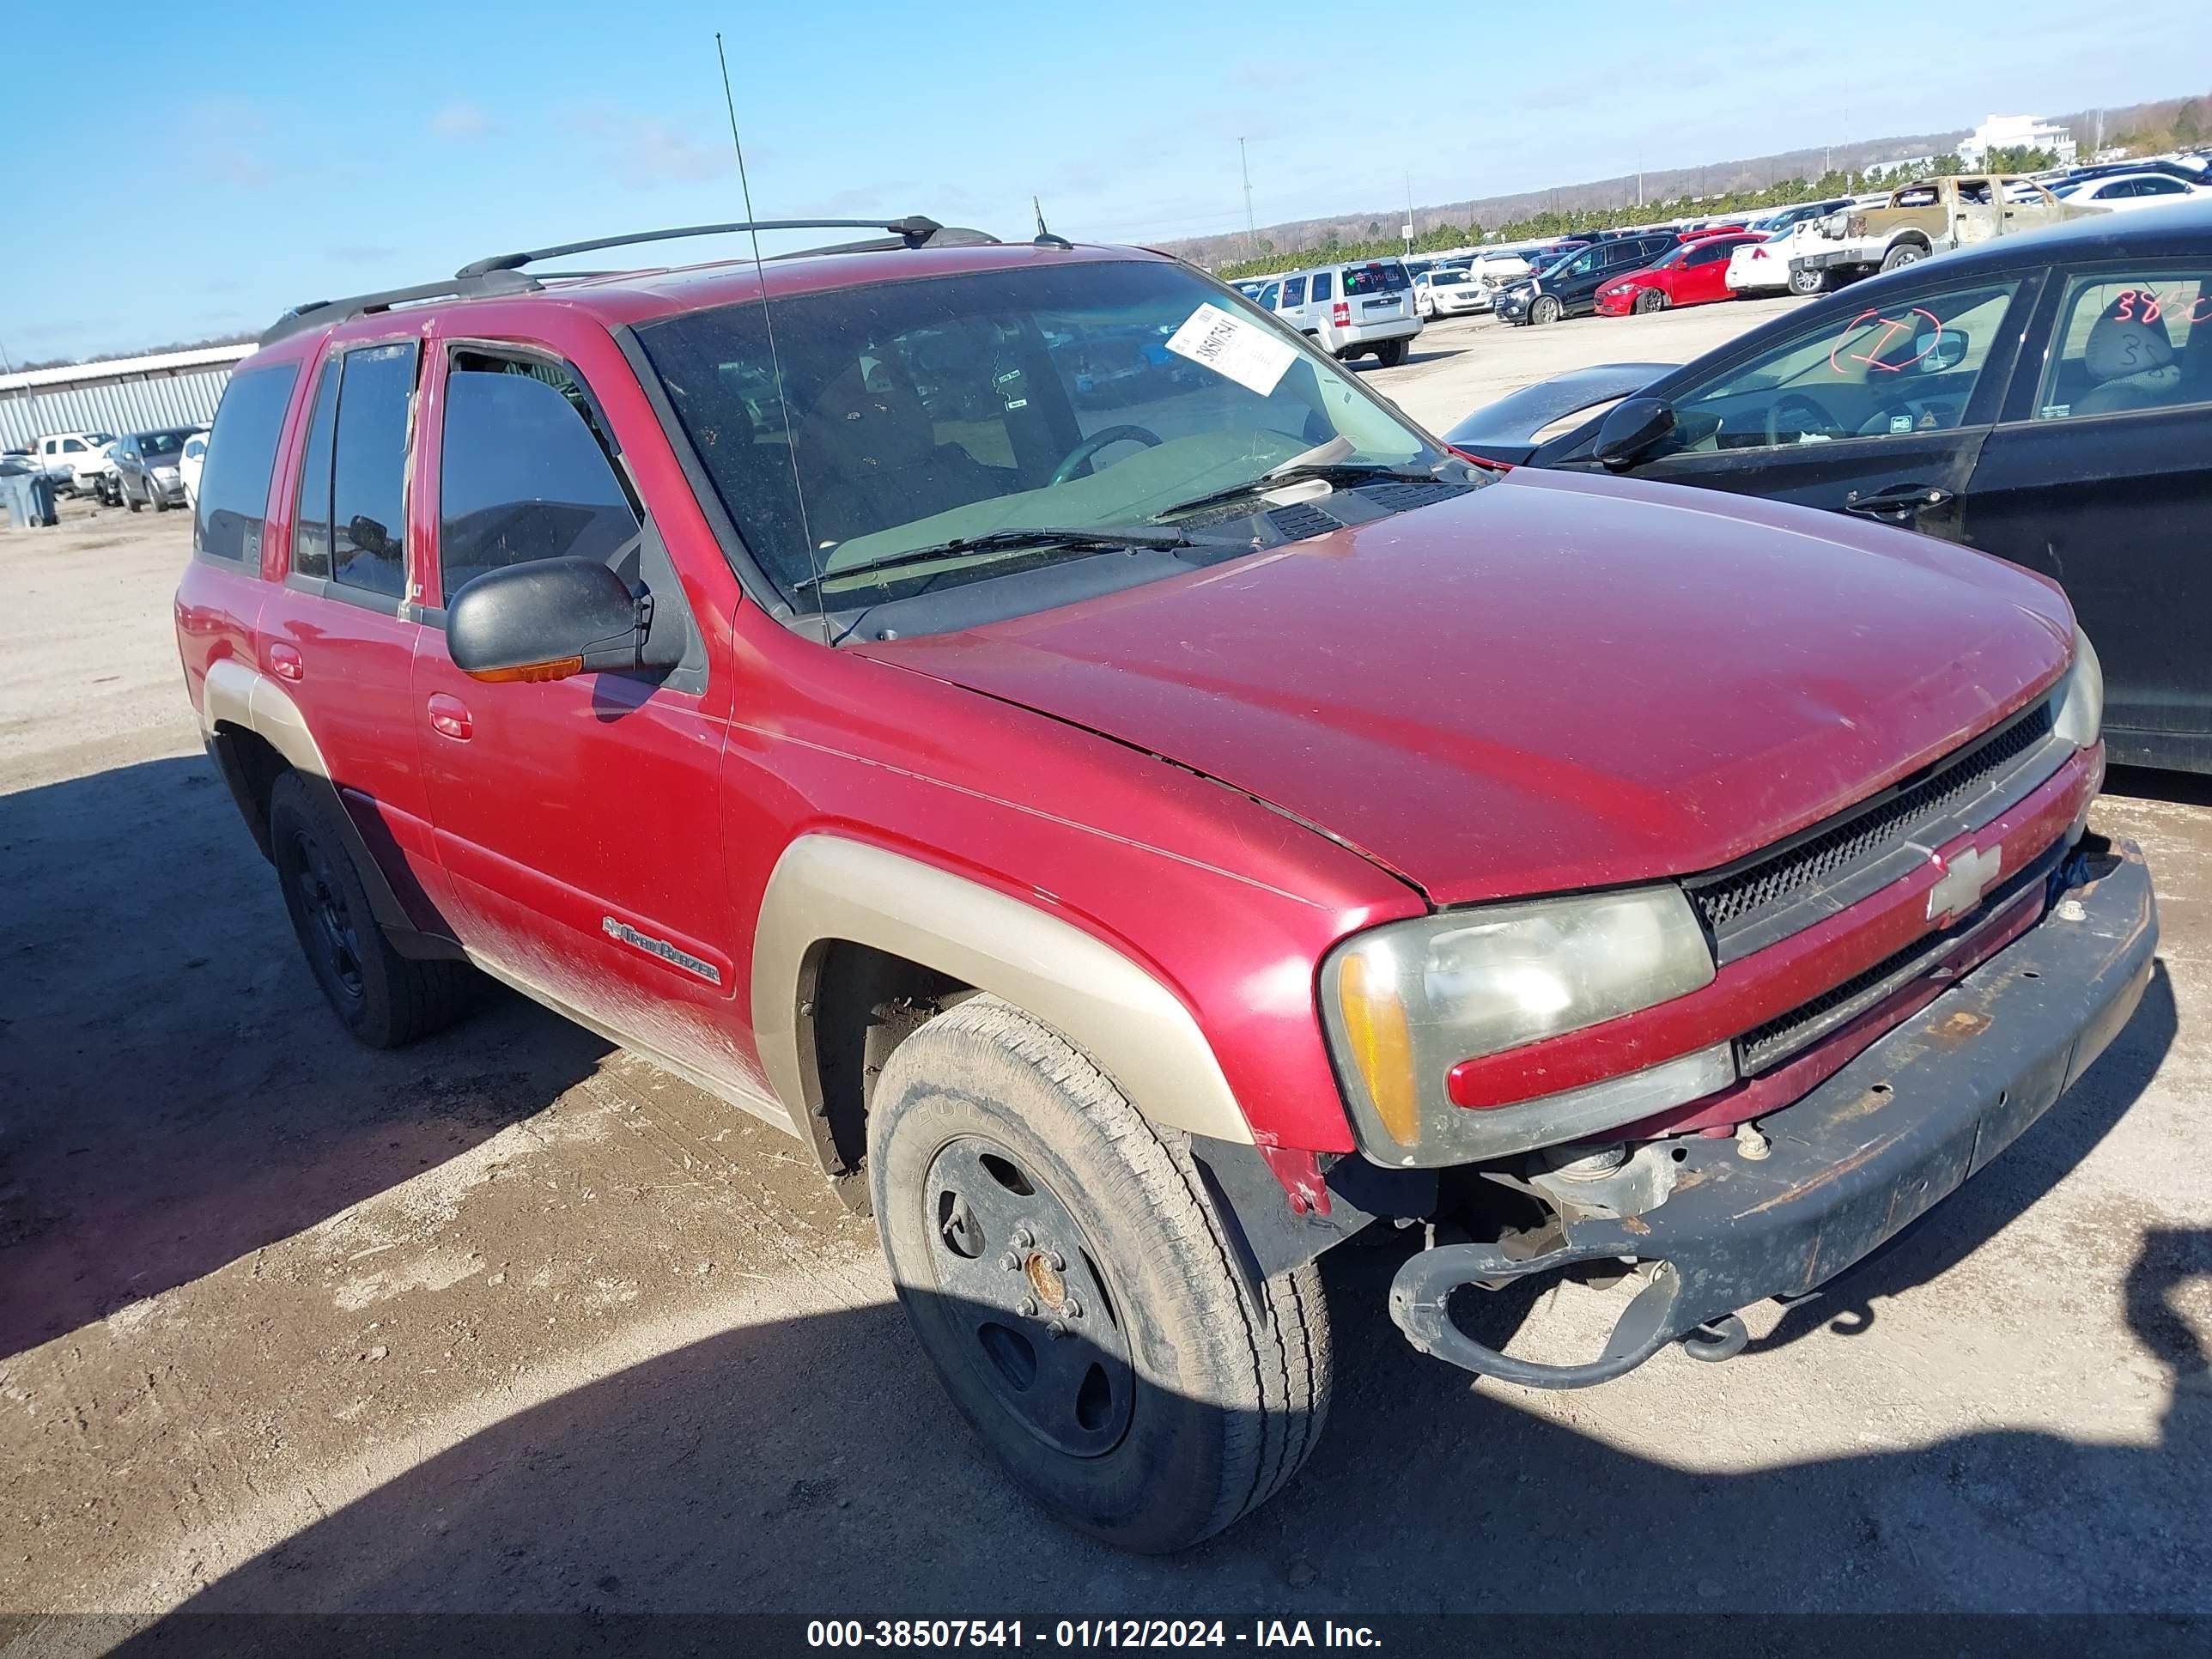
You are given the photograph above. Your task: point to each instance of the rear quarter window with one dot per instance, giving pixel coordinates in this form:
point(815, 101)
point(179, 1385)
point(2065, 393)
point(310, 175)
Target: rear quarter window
point(234, 497)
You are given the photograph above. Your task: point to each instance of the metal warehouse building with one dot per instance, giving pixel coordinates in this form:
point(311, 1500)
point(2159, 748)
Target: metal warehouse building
point(126, 394)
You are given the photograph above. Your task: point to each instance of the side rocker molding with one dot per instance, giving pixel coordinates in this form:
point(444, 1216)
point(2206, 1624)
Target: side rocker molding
point(238, 695)
point(826, 888)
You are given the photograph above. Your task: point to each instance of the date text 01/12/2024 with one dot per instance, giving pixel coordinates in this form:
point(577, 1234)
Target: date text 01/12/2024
point(943, 1633)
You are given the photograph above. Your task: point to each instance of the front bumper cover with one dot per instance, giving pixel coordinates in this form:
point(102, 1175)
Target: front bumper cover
point(1898, 1129)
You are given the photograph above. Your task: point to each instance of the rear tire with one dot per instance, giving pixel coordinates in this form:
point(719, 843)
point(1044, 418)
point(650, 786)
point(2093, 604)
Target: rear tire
point(1904, 254)
point(1390, 353)
point(385, 1000)
point(1171, 1405)
point(1806, 283)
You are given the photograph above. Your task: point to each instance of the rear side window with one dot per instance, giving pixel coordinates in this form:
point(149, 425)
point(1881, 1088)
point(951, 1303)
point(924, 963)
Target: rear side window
point(369, 469)
point(1324, 287)
point(311, 524)
point(528, 473)
point(233, 499)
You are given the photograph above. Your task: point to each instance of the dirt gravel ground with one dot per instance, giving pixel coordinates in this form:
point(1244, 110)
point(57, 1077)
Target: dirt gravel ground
point(511, 1322)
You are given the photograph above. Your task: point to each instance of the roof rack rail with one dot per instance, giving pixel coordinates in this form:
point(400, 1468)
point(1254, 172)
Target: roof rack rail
point(913, 231)
point(503, 273)
point(315, 313)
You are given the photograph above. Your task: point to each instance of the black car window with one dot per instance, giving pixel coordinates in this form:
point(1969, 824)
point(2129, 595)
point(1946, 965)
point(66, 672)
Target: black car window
point(1324, 286)
point(527, 473)
point(369, 469)
point(233, 494)
point(311, 524)
point(2131, 341)
point(1706, 253)
point(1271, 295)
point(1910, 365)
point(1294, 291)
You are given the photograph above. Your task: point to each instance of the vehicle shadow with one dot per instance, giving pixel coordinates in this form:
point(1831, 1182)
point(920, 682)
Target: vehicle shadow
point(173, 1091)
point(694, 1483)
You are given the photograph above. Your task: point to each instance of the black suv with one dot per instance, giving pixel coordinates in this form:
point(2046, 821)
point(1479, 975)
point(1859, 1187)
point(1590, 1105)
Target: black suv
point(1568, 286)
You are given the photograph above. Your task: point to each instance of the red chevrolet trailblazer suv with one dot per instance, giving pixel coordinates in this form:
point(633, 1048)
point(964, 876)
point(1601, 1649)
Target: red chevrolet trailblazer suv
point(1137, 808)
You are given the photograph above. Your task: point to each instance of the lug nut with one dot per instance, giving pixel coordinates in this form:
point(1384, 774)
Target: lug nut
point(1071, 1309)
point(1023, 1238)
point(1057, 1329)
point(1028, 1307)
point(1055, 1260)
point(1010, 1262)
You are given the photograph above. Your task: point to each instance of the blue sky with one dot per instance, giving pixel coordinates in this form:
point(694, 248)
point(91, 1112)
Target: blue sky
point(243, 156)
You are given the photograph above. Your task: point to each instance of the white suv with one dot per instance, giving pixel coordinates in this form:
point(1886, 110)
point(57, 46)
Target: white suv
point(1361, 306)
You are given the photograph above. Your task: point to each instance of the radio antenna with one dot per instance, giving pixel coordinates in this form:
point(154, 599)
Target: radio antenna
point(774, 358)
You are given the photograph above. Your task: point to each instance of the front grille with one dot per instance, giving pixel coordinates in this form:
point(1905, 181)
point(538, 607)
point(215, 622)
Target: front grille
point(1743, 906)
point(1808, 1022)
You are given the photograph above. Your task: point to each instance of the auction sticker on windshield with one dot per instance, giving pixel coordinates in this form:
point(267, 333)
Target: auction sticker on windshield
point(1245, 352)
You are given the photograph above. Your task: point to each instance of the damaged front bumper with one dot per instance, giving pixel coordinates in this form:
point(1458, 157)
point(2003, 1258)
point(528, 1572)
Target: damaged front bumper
point(1847, 1167)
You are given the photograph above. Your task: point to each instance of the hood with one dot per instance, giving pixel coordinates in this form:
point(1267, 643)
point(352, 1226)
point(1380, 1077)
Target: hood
point(1551, 683)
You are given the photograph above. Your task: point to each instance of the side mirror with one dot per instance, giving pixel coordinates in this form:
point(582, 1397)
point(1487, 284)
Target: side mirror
point(545, 620)
point(1632, 430)
point(1945, 352)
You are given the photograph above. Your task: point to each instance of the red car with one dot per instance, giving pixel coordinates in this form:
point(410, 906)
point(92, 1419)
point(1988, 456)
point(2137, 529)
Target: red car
point(1133, 840)
point(1692, 275)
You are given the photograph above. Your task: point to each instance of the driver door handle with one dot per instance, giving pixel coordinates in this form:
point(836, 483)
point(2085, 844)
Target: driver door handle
point(1898, 501)
point(449, 718)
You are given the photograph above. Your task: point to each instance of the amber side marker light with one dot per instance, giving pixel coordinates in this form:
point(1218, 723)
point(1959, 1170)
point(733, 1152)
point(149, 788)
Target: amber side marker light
point(529, 672)
point(1381, 1043)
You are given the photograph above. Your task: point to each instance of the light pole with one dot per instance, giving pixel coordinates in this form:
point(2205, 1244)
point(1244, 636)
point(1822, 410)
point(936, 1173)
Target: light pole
point(1251, 233)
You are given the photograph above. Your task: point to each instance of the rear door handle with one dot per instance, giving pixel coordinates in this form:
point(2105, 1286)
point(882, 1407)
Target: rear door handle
point(449, 717)
point(1898, 502)
point(284, 662)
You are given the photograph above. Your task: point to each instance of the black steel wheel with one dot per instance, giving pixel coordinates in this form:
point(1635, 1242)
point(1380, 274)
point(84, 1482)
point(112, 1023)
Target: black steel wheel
point(1045, 1337)
point(385, 1000)
point(1067, 1279)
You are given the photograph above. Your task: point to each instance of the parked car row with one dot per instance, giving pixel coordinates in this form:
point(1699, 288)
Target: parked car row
point(2047, 398)
point(1348, 309)
point(159, 468)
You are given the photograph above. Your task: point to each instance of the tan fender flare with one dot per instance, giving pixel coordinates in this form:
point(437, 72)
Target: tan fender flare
point(826, 888)
point(239, 696)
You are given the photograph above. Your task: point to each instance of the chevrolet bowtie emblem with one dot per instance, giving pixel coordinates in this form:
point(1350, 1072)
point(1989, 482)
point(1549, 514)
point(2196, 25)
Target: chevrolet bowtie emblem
point(1966, 878)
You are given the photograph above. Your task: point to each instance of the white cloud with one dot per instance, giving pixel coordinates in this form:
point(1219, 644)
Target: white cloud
point(460, 121)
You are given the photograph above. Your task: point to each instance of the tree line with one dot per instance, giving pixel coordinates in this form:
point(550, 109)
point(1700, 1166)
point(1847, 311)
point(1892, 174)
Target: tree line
point(1552, 222)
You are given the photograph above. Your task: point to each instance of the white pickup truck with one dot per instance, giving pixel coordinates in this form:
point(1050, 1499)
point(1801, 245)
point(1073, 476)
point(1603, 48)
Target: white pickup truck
point(80, 456)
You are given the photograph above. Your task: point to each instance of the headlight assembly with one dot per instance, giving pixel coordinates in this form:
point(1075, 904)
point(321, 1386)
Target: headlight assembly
point(1406, 1003)
point(2077, 712)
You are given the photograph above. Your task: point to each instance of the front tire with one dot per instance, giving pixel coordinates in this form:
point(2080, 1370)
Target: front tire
point(1017, 1189)
point(122, 488)
point(1649, 301)
point(1546, 310)
point(385, 1000)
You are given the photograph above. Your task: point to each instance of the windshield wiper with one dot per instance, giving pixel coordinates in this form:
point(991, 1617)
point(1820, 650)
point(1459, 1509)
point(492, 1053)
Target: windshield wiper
point(1337, 472)
point(1111, 537)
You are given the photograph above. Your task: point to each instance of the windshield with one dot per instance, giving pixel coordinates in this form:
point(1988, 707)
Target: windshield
point(1543, 264)
point(1446, 278)
point(161, 443)
point(1060, 398)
